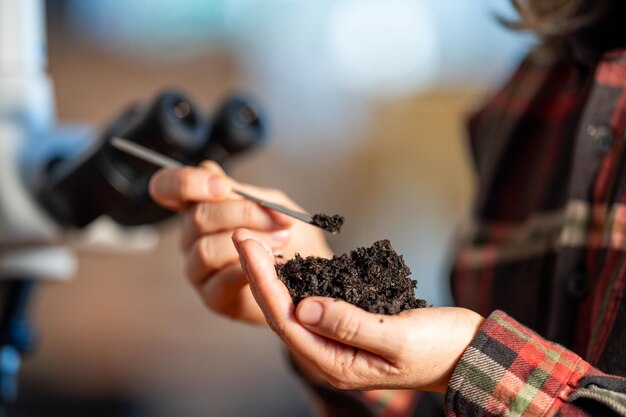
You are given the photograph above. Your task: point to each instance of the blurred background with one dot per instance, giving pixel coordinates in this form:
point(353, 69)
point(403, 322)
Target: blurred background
point(367, 101)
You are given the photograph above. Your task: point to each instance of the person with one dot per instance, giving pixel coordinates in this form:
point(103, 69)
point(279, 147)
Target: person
point(540, 279)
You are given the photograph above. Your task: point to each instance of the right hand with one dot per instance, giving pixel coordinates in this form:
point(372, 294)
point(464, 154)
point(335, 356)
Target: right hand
point(336, 342)
point(211, 213)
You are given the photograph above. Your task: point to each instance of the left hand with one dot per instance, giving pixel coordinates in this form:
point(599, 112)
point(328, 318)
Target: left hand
point(211, 212)
point(354, 349)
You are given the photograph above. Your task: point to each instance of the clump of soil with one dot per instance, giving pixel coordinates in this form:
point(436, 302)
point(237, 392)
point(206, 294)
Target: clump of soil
point(375, 279)
point(330, 223)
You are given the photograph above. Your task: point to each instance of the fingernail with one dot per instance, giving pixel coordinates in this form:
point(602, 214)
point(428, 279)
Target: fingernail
point(213, 167)
point(310, 313)
point(217, 186)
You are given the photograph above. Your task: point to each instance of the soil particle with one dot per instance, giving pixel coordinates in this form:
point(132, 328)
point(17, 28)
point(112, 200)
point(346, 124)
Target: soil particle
point(331, 224)
point(375, 279)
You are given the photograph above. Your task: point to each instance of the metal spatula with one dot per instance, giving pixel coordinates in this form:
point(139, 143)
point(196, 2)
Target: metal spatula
point(163, 161)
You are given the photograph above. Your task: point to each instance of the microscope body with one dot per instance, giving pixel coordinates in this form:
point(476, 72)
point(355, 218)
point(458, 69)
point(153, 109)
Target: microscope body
point(55, 178)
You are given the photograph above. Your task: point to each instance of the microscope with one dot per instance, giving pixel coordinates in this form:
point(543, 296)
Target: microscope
point(57, 178)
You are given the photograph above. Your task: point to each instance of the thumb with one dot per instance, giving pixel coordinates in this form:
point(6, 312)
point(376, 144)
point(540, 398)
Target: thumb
point(350, 325)
point(176, 188)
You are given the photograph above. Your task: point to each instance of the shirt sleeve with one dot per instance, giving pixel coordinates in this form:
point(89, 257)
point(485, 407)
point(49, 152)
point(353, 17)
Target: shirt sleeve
point(510, 370)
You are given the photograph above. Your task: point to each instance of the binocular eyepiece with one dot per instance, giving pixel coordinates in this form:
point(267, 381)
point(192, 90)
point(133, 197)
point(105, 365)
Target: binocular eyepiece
point(109, 182)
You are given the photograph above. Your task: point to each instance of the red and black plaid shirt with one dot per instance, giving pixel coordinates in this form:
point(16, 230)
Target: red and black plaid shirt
point(548, 246)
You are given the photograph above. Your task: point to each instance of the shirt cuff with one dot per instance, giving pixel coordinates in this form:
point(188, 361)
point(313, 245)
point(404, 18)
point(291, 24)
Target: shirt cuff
point(508, 368)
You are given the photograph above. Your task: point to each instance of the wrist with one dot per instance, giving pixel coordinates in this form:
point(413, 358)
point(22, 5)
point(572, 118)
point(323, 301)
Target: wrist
point(469, 323)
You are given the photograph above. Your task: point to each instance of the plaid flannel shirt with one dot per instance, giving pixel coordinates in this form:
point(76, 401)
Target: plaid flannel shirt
point(548, 246)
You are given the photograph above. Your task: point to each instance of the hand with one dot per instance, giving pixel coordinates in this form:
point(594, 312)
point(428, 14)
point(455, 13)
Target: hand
point(211, 212)
point(354, 349)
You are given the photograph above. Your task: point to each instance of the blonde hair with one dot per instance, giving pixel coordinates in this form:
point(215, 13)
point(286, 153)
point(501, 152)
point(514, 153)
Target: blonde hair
point(553, 20)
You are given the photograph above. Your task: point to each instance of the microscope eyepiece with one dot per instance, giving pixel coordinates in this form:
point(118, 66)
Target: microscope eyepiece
point(109, 182)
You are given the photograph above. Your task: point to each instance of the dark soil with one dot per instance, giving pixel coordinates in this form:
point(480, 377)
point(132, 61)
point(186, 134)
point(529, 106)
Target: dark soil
point(330, 223)
point(375, 279)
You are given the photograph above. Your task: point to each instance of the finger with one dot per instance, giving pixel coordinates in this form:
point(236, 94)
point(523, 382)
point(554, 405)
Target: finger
point(213, 252)
point(227, 293)
point(343, 364)
point(204, 218)
point(258, 264)
point(271, 195)
point(350, 325)
point(207, 255)
point(175, 188)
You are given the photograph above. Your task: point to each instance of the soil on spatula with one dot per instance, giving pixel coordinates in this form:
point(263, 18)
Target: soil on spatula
point(375, 279)
point(331, 224)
